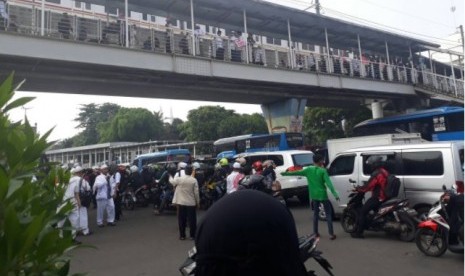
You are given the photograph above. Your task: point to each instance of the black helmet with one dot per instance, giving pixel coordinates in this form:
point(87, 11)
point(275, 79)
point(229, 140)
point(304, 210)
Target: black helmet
point(376, 161)
point(171, 168)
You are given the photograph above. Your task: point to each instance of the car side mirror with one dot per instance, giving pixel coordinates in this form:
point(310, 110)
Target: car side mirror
point(444, 188)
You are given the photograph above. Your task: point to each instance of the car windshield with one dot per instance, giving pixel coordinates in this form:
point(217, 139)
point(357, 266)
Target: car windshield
point(303, 159)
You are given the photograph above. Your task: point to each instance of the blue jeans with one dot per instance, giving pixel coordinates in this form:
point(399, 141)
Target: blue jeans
point(329, 215)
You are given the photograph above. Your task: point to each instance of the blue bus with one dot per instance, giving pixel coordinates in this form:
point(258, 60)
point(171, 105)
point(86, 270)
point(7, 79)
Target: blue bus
point(437, 124)
point(228, 147)
point(172, 155)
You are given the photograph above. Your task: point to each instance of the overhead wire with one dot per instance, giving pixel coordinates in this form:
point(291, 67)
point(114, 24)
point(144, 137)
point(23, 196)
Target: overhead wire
point(406, 13)
point(385, 27)
point(389, 28)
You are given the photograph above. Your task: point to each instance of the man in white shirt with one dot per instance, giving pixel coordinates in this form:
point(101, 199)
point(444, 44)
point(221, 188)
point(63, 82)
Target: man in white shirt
point(115, 180)
point(219, 46)
point(232, 181)
point(104, 200)
point(198, 34)
point(186, 197)
point(72, 195)
point(82, 185)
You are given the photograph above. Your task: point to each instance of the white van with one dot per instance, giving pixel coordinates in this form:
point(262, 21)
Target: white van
point(290, 185)
point(422, 169)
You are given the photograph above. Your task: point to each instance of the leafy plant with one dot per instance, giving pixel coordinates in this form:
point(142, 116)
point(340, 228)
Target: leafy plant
point(30, 244)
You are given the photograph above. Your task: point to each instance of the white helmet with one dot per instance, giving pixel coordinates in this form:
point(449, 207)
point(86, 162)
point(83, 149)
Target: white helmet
point(134, 168)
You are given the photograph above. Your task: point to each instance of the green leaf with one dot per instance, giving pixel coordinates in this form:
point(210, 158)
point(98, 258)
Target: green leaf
point(6, 90)
point(17, 103)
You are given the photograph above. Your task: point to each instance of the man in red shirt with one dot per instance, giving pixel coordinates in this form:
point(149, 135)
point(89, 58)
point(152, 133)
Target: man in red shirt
point(376, 185)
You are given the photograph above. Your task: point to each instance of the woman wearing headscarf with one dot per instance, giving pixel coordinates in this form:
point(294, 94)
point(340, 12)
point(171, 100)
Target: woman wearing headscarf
point(248, 233)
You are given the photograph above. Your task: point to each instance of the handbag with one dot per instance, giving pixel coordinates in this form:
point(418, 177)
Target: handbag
point(84, 195)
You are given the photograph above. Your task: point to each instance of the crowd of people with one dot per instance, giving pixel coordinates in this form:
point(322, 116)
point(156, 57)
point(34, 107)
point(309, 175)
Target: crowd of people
point(187, 186)
point(184, 187)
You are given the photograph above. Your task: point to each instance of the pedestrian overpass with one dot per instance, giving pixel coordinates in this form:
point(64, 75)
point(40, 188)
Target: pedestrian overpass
point(283, 82)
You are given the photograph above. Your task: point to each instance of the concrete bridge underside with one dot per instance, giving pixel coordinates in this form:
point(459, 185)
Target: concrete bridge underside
point(59, 66)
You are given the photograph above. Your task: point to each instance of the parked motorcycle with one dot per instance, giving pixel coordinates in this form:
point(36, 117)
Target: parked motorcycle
point(432, 237)
point(128, 199)
point(211, 192)
point(393, 216)
point(164, 197)
point(143, 195)
point(307, 246)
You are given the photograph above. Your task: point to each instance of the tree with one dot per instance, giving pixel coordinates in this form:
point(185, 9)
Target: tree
point(172, 131)
point(321, 123)
point(29, 242)
point(92, 118)
point(242, 124)
point(254, 123)
point(202, 123)
point(134, 125)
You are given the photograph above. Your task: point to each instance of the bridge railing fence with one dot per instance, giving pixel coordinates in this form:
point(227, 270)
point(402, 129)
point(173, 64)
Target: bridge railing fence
point(109, 30)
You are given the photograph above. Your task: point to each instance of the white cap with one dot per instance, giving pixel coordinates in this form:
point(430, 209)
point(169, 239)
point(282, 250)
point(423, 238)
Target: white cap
point(134, 168)
point(236, 165)
point(182, 165)
point(77, 169)
point(103, 167)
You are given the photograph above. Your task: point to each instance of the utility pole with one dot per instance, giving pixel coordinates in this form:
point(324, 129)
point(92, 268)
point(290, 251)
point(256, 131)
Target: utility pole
point(461, 34)
point(317, 7)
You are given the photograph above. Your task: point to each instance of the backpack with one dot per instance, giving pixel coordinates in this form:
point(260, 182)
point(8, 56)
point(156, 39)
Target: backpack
point(391, 190)
point(84, 195)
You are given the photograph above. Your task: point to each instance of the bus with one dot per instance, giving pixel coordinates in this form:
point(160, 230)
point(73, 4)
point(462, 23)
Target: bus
point(437, 124)
point(172, 155)
point(228, 147)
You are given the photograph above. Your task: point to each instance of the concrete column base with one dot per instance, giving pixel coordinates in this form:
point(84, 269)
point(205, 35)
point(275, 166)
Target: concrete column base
point(285, 116)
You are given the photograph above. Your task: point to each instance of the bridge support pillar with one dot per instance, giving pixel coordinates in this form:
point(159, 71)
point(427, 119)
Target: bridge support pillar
point(377, 109)
point(285, 116)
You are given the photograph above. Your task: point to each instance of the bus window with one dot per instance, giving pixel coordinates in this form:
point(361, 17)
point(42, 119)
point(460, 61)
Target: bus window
point(294, 140)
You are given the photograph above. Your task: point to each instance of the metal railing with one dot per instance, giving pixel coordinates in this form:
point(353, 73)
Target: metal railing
point(25, 17)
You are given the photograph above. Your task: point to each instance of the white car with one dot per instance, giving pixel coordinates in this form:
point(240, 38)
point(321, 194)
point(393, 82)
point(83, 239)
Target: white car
point(290, 185)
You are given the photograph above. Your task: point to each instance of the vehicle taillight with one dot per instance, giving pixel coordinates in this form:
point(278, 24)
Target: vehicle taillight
point(459, 185)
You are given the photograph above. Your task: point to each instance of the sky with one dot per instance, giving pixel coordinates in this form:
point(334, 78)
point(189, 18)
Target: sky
point(430, 20)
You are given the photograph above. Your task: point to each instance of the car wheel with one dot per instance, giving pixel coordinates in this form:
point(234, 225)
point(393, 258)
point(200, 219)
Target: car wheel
point(303, 198)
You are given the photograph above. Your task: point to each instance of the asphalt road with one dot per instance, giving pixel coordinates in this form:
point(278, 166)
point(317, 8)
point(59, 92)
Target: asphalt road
point(145, 244)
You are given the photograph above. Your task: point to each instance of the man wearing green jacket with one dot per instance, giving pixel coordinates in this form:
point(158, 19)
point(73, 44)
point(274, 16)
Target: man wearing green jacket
point(318, 182)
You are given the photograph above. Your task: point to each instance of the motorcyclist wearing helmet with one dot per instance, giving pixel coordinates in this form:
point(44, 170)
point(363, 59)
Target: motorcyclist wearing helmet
point(199, 174)
point(147, 176)
point(376, 185)
point(163, 183)
point(224, 170)
point(135, 179)
point(268, 172)
point(258, 167)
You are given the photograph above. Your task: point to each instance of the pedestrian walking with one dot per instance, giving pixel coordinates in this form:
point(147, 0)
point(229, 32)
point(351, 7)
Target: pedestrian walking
point(318, 182)
point(83, 187)
point(72, 195)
